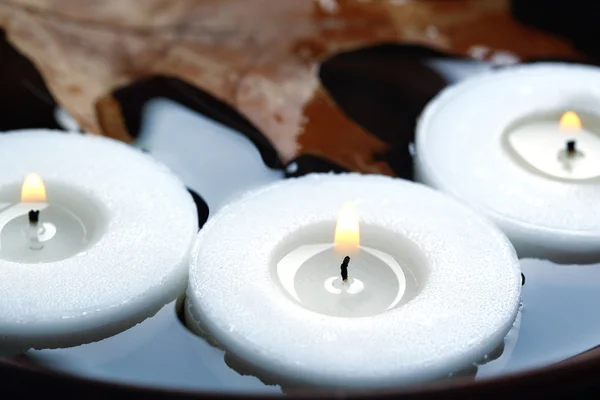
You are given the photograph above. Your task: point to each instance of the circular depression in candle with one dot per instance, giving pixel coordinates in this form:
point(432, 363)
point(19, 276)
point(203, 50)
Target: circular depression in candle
point(381, 277)
point(462, 149)
point(462, 284)
point(539, 145)
point(70, 222)
point(139, 223)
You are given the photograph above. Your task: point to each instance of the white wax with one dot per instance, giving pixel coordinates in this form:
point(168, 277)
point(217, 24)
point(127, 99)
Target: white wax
point(464, 272)
point(461, 149)
point(143, 222)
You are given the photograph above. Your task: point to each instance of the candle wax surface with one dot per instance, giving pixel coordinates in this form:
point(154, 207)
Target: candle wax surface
point(311, 276)
point(541, 144)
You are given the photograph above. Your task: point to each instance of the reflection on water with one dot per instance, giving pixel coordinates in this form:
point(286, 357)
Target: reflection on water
point(560, 314)
point(160, 352)
point(211, 159)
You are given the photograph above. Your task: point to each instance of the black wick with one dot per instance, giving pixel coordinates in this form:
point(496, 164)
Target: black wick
point(571, 147)
point(522, 279)
point(34, 216)
point(344, 268)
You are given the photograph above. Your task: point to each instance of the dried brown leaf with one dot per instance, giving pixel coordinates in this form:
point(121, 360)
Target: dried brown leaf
point(260, 56)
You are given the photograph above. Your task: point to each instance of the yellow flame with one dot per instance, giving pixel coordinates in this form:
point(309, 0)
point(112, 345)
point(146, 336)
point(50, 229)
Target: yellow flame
point(347, 238)
point(570, 122)
point(33, 190)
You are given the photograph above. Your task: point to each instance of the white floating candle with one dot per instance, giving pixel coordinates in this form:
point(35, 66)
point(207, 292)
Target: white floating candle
point(98, 246)
point(523, 146)
point(439, 285)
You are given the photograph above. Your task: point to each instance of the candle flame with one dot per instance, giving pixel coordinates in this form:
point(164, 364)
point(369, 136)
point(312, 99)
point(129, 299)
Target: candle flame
point(570, 122)
point(347, 238)
point(33, 190)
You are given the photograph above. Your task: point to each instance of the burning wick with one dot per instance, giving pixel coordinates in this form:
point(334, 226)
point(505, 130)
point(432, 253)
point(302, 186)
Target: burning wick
point(570, 123)
point(571, 148)
point(33, 232)
point(569, 154)
point(346, 243)
point(344, 268)
point(34, 217)
point(33, 192)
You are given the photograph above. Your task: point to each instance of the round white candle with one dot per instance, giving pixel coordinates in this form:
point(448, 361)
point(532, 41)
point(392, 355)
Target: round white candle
point(114, 232)
point(496, 142)
point(453, 301)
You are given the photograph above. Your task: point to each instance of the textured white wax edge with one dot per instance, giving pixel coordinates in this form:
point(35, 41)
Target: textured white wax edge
point(138, 265)
point(257, 323)
point(530, 229)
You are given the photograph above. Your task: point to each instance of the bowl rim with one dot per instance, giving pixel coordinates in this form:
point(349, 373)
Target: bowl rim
point(573, 375)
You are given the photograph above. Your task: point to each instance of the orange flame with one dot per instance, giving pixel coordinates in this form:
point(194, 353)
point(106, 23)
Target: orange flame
point(570, 122)
point(347, 238)
point(33, 190)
